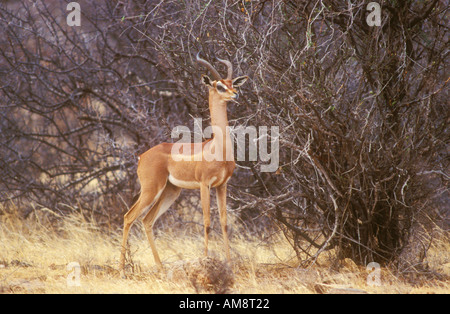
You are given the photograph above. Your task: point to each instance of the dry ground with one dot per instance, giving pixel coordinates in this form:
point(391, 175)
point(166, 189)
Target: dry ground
point(38, 255)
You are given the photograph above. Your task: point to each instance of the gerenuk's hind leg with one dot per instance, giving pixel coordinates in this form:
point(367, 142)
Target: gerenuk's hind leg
point(147, 199)
point(168, 196)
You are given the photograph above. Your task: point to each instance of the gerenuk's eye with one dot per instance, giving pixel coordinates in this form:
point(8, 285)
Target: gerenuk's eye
point(221, 89)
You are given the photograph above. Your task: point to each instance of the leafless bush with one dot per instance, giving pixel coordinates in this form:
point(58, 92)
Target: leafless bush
point(362, 110)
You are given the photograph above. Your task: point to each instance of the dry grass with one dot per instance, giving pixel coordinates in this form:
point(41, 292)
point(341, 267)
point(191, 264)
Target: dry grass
point(35, 254)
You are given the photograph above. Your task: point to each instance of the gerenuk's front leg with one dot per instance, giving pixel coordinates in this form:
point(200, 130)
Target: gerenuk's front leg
point(221, 194)
point(205, 200)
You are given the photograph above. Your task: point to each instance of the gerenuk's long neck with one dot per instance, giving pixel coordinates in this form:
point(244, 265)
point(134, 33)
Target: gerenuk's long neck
point(220, 129)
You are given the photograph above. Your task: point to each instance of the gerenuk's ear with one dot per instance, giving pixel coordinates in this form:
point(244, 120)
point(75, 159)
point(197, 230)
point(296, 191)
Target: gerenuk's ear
point(207, 81)
point(239, 81)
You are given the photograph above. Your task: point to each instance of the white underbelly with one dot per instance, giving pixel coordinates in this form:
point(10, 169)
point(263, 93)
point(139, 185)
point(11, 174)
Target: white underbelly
point(190, 184)
point(184, 184)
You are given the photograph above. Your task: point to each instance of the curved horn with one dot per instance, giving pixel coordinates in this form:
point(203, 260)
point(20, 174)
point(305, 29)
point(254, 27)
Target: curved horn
point(229, 66)
point(208, 65)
